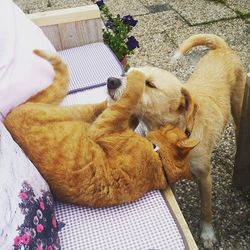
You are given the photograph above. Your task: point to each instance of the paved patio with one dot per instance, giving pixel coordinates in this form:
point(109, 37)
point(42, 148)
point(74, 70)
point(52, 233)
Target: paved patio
point(162, 26)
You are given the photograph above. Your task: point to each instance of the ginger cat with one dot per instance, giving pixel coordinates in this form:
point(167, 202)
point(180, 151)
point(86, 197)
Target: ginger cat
point(87, 153)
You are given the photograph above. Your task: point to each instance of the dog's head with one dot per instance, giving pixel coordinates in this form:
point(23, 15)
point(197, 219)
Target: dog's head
point(174, 147)
point(164, 100)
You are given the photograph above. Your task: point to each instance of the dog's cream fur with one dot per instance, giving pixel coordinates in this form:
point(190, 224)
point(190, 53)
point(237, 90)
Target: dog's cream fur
point(202, 106)
point(152, 108)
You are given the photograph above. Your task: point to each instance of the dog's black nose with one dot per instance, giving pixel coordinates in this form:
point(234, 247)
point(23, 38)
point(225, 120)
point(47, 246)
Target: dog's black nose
point(114, 83)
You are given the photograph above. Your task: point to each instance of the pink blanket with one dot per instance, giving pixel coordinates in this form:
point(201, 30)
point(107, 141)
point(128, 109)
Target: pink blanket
point(22, 74)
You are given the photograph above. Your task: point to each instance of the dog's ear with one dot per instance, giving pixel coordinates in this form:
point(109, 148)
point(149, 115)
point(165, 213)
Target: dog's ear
point(189, 108)
point(187, 145)
point(133, 122)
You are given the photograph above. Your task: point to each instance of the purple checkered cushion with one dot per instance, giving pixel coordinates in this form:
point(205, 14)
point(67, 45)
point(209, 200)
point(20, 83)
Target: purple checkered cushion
point(145, 224)
point(90, 65)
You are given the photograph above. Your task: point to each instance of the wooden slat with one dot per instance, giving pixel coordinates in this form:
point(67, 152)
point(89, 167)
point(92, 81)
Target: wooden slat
point(89, 31)
point(65, 15)
point(173, 205)
point(241, 176)
point(68, 34)
point(76, 34)
point(52, 32)
point(69, 28)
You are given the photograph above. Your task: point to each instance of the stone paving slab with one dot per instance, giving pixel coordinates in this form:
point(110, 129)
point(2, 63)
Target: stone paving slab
point(236, 33)
point(55, 4)
point(197, 12)
point(156, 5)
point(152, 2)
point(126, 7)
point(158, 22)
point(239, 5)
point(154, 50)
point(157, 49)
point(33, 6)
point(28, 6)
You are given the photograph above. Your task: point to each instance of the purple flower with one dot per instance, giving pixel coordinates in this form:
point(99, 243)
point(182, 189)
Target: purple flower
point(100, 3)
point(109, 24)
point(132, 43)
point(129, 20)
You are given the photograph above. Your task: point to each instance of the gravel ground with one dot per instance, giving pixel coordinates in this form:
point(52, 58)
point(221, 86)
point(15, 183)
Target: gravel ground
point(163, 24)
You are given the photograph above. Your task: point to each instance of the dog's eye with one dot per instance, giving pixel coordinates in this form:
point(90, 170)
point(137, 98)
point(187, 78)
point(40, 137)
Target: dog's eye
point(187, 132)
point(150, 84)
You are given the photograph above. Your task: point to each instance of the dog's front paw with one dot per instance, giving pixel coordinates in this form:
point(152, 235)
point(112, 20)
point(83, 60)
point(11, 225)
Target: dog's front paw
point(208, 236)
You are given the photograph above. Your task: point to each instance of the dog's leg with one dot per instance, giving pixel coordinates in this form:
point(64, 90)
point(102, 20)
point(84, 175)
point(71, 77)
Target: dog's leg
point(200, 166)
point(207, 231)
point(117, 116)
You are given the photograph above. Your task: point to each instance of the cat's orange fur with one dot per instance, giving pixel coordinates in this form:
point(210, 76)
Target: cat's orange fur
point(88, 154)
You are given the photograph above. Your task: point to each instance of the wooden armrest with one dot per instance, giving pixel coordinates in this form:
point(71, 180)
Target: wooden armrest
point(65, 15)
point(176, 212)
point(69, 28)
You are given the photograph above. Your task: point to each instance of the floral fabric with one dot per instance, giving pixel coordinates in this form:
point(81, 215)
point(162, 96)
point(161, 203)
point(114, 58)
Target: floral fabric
point(27, 216)
point(40, 228)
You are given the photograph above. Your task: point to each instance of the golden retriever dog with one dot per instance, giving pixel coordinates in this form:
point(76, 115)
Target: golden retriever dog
point(88, 154)
point(201, 107)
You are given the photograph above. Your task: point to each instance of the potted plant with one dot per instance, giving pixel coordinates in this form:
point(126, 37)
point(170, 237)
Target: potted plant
point(116, 33)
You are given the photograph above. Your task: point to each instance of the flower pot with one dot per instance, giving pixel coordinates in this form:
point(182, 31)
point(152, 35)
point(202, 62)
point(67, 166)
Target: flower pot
point(123, 61)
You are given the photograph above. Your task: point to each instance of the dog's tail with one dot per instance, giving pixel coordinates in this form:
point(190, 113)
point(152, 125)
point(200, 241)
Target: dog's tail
point(54, 93)
point(209, 40)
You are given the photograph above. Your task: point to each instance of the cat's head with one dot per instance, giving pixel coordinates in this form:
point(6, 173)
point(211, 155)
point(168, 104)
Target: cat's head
point(174, 147)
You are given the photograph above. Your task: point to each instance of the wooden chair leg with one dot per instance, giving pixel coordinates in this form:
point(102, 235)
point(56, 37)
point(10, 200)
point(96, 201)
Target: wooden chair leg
point(241, 176)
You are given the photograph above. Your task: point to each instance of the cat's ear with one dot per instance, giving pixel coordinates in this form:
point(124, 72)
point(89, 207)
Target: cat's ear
point(187, 145)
